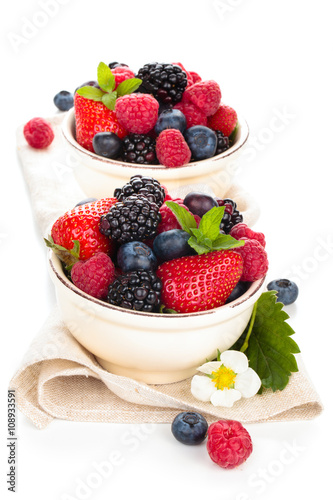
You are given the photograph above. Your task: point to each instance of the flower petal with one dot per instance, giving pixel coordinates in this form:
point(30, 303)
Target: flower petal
point(209, 367)
point(235, 360)
point(226, 397)
point(202, 388)
point(248, 383)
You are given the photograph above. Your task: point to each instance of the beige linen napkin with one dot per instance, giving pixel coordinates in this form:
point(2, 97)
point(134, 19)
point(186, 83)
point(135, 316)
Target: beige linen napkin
point(58, 378)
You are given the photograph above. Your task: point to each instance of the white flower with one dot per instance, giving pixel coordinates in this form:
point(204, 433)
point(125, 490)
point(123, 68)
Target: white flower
point(226, 380)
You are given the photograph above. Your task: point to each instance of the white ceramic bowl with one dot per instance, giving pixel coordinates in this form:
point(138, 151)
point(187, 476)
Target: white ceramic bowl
point(152, 348)
point(99, 177)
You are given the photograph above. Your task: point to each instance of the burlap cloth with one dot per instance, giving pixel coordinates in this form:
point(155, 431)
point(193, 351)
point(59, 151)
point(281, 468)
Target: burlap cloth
point(58, 378)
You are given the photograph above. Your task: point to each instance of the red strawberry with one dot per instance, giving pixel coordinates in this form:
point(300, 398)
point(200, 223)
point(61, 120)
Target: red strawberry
point(92, 117)
point(225, 119)
point(137, 112)
point(199, 282)
point(82, 224)
point(206, 95)
point(94, 275)
point(172, 149)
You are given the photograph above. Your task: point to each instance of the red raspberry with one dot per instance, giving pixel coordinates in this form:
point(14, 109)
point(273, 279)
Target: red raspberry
point(138, 113)
point(254, 259)
point(241, 230)
point(122, 73)
point(193, 115)
point(206, 95)
point(228, 443)
point(172, 149)
point(225, 119)
point(169, 220)
point(93, 276)
point(38, 133)
point(195, 77)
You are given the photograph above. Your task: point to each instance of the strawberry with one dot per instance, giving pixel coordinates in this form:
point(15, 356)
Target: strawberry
point(199, 282)
point(82, 224)
point(225, 119)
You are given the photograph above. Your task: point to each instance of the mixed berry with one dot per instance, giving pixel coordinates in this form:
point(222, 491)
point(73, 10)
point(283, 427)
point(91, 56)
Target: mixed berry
point(142, 249)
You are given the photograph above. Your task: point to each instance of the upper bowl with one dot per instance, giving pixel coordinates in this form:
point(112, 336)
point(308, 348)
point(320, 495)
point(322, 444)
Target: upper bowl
point(99, 176)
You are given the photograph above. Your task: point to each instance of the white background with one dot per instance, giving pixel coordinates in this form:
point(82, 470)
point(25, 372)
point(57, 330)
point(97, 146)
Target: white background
point(271, 58)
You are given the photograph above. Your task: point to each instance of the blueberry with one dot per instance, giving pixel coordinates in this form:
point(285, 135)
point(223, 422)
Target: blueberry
point(199, 203)
point(172, 244)
point(85, 201)
point(189, 428)
point(107, 144)
point(64, 100)
point(202, 142)
point(238, 291)
point(91, 83)
point(136, 255)
point(287, 291)
point(170, 118)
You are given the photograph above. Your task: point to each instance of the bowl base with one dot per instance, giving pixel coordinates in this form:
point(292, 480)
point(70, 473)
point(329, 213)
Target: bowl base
point(148, 377)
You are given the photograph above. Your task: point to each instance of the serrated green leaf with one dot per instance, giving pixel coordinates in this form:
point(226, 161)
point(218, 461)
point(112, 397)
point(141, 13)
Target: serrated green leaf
point(210, 222)
point(226, 242)
point(128, 86)
point(92, 93)
point(185, 219)
point(105, 78)
point(270, 349)
point(200, 248)
point(109, 100)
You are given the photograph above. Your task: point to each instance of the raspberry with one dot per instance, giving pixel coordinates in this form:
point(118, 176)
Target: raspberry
point(172, 149)
point(241, 230)
point(193, 115)
point(138, 113)
point(93, 276)
point(206, 95)
point(195, 77)
point(169, 220)
point(254, 259)
point(225, 119)
point(122, 73)
point(228, 443)
point(38, 133)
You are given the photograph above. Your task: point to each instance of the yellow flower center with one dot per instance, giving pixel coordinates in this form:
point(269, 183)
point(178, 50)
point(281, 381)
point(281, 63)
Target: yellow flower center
point(223, 378)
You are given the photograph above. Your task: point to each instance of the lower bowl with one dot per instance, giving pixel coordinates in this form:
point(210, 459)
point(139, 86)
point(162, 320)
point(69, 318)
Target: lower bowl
point(151, 348)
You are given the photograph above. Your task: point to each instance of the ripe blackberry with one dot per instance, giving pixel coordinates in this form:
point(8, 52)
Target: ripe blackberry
point(166, 82)
point(139, 148)
point(231, 216)
point(139, 290)
point(144, 185)
point(133, 219)
point(116, 64)
point(222, 142)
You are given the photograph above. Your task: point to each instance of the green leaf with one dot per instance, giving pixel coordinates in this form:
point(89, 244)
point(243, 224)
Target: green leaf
point(200, 248)
point(109, 100)
point(92, 93)
point(270, 348)
point(105, 78)
point(210, 222)
point(128, 86)
point(68, 257)
point(185, 219)
point(232, 136)
point(226, 242)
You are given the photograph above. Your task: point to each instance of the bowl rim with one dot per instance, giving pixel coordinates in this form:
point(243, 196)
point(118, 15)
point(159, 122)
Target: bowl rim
point(253, 289)
point(104, 164)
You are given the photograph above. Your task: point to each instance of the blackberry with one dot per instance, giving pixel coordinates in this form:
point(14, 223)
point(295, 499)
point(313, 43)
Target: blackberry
point(222, 142)
point(144, 185)
point(166, 82)
point(133, 219)
point(139, 290)
point(116, 64)
point(139, 148)
point(231, 216)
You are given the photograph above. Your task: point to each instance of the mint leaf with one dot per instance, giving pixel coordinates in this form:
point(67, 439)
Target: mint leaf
point(270, 349)
point(128, 86)
point(210, 222)
point(200, 248)
point(185, 219)
point(105, 78)
point(109, 100)
point(226, 242)
point(91, 93)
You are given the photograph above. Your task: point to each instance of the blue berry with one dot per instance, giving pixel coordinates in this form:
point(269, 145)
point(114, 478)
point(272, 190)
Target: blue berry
point(64, 100)
point(189, 428)
point(170, 118)
point(238, 291)
point(199, 203)
point(136, 255)
point(107, 144)
point(172, 244)
point(85, 201)
point(202, 142)
point(287, 291)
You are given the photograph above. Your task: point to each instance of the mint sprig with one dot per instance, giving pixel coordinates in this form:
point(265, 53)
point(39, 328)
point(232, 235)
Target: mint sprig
point(107, 94)
point(207, 237)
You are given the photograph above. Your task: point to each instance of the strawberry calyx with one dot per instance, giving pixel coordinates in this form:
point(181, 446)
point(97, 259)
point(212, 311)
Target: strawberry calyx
point(68, 257)
point(107, 93)
point(207, 237)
